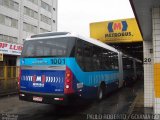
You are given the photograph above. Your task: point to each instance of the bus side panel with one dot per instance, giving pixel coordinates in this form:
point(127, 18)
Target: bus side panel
point(86, 83)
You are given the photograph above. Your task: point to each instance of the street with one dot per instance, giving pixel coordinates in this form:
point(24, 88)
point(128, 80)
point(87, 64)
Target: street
point(118, 102)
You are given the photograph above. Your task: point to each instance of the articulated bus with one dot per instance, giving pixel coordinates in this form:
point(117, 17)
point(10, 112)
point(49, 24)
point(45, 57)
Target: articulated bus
point(57, 67)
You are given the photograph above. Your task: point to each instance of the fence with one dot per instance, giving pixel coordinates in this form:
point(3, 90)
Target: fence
point(8, 79)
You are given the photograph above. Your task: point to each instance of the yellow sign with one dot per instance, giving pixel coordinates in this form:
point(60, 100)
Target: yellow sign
point(116, 31)
point(1, 56)
point(157, 79)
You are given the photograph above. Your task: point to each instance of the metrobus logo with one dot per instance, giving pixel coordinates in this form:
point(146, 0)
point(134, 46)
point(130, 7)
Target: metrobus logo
point(117, 26)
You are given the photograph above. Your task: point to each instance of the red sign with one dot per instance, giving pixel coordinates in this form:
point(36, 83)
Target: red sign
point(117, 26)
point(12, 49)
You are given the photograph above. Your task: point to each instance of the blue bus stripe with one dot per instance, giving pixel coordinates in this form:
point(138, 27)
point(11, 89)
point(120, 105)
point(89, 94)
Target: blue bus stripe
point(87, 78)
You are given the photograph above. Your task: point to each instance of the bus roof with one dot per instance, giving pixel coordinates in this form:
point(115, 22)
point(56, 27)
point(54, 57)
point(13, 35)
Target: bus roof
point(136, 59)
point(68, 34)
point(98, 43)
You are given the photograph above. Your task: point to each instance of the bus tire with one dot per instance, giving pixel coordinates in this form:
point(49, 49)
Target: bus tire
point(101, 91)
point(125, 84)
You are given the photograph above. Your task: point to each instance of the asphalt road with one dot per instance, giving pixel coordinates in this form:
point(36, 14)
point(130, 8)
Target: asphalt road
point(119, 103)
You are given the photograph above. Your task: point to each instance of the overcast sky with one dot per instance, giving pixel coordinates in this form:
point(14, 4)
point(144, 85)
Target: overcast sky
point(76, 15)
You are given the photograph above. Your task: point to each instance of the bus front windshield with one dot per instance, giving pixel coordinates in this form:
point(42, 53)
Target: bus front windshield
point(50, 47)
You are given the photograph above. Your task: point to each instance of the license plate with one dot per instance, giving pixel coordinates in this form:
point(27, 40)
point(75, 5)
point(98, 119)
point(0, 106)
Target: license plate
point(38, 99)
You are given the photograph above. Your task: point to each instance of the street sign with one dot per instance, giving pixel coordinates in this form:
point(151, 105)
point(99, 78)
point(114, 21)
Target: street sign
point(1, 56)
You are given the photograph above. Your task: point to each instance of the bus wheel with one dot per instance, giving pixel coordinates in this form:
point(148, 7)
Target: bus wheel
point(124, 84)
point(100, 93)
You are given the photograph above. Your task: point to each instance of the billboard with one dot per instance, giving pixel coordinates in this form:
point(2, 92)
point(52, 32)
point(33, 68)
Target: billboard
point(11, 49)
point(125, 30)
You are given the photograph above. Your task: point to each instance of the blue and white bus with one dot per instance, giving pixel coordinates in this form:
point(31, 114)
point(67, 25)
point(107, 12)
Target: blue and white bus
point(57, 67)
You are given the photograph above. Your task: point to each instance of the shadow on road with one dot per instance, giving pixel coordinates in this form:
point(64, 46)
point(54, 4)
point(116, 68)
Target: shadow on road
point(52, 112)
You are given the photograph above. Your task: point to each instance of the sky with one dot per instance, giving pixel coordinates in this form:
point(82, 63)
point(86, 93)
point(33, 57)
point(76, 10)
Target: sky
point(76, 15)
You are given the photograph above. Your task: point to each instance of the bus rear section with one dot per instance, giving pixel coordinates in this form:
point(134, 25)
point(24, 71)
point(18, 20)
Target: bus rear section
point(43, 77)
point(46, 84)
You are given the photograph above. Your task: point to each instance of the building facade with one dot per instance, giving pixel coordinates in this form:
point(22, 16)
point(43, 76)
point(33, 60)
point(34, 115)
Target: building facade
point(147, 13)
point(20, 19)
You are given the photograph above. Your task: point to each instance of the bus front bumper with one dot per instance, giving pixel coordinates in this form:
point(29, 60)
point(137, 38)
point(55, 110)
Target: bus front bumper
point(60, 99)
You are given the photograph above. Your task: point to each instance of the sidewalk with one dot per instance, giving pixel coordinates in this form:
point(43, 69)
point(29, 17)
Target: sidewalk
point(8, 87)
point(139, 105)
point(138, 110)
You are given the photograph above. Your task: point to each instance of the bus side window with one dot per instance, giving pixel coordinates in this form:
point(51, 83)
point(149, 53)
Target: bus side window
point(97, 51)
point(30, 50)
point(79, 53)
point(87, 56)
point(60, 52)
point(109, 60)
point(54, 52)
point(127, 63)
point(71, 50)
point(46, 51)
point(39, 50)
point(105, 60)
point(114, 57)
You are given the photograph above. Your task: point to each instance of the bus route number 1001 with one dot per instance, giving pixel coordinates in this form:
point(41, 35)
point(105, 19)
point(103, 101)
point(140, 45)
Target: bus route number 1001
point(58, 61)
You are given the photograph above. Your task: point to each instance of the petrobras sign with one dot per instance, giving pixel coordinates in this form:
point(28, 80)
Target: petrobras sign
point(116, 31)
point(12, 49)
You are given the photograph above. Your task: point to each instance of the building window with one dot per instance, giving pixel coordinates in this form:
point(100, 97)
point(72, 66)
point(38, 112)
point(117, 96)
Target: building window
point(8, 21)
point(43, 30)
point(29, 28)
point(10, 4)
point(2, 19)
point(45, 6)
point(45, 19)
point(14, 23)
point(9, 39)
point(30, 12)
point(34, 1)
